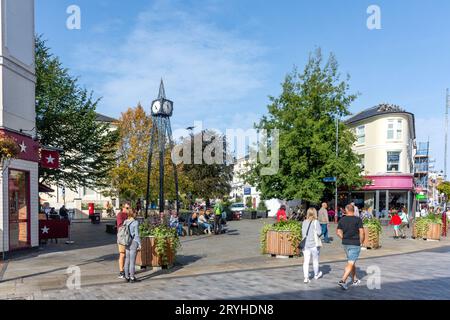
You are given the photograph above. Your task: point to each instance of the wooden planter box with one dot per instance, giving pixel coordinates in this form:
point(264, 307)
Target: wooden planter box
point(372, 239)
point(414, 231)
point(147, 256)
point(279, 243)
point(434, 231)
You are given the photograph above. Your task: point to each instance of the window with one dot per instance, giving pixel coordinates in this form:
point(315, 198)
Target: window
point(393, 161)
point(362, 161)
point(361, 134)
point(395, 129)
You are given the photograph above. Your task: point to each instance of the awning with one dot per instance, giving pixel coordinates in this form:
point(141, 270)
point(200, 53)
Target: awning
point(45, 189)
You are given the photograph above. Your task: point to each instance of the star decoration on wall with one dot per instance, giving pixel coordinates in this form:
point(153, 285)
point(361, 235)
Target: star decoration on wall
point(45, 230)
point(23, 147)
point(50, 159)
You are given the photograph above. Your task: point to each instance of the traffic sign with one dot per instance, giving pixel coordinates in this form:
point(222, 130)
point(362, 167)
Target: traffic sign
point(329, 179)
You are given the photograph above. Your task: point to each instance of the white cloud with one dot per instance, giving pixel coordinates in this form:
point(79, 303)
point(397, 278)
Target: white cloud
point(209, 72)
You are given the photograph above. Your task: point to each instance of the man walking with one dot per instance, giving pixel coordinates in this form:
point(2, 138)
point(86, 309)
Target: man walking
point(324, 221)
point(120, 219)
point(350, 229)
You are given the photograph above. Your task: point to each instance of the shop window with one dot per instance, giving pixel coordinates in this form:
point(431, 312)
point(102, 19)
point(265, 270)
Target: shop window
point(393, 161)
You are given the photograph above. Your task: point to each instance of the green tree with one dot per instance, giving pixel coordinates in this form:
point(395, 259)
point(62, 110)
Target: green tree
point(305, 114)
point(66, 119)
point(129, 176)
point(207, 180)
point(444, 188)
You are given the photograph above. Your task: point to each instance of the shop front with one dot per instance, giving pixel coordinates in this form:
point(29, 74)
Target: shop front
point(20, 196)
point(382, 194)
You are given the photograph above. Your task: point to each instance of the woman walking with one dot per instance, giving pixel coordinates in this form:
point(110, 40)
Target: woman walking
point(131, 250)
point(311, 231)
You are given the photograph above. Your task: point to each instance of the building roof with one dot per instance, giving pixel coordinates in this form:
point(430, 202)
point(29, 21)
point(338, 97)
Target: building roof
point(103, 118)
point(381, 109)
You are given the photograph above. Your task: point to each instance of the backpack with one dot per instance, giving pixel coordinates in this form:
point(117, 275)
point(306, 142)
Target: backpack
point(124, 235)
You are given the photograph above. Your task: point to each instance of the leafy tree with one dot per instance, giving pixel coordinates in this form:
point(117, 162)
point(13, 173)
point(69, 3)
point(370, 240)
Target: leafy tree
point(208, 180)
point(129, 176)
point(66, 119)
point(305, 114)
point(444, 188)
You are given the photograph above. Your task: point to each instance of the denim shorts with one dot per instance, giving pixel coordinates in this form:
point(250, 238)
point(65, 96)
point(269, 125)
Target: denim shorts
point(352, 252)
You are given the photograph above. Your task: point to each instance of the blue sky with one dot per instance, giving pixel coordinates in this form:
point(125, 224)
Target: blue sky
point(221, 59)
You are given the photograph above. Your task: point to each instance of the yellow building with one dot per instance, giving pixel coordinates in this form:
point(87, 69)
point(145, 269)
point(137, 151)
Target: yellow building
point(386, 145)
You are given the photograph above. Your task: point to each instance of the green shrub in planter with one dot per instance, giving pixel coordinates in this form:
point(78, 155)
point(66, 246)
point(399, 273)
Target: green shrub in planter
point(262, 206)
point(374, 225)
point(295, 227)
point(423, 224)
point(162, 233)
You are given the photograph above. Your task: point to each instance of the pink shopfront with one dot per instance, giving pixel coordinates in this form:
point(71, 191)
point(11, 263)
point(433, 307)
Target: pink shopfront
point(383, 193)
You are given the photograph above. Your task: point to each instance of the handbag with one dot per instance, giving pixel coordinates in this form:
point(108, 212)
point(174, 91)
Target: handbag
point(302, 243)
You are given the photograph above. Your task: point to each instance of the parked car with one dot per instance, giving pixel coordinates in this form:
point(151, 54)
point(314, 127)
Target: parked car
point(237, 209)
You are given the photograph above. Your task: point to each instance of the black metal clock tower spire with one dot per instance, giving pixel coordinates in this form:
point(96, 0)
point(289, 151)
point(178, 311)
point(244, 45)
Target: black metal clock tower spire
point(161, 111)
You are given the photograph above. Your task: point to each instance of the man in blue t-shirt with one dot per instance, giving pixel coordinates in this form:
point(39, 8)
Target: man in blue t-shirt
point(351, 230)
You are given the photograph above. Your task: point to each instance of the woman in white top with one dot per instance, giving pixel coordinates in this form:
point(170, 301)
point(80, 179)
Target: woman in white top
point(313, 243)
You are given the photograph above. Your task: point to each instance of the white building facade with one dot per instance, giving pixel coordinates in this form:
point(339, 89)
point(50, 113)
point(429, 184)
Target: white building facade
point(386, 146)
point(239, 189)
point(19, 177)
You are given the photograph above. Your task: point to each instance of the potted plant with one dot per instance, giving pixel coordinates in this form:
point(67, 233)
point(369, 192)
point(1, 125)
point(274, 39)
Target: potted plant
point(281, 238)
point(9, 149)
point(373, 230)
point(262, 210)
point(429, 227)
point(159, 245)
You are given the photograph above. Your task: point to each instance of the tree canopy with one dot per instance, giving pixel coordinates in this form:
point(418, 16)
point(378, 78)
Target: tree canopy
point(305, 114)
point(66, 119)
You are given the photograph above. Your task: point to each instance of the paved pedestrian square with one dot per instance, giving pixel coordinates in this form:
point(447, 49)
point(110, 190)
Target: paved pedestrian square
point(228, 266)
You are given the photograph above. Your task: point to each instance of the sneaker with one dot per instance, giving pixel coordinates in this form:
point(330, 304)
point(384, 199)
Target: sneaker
point(319, 275)
point(306, 280)
point(133, 280)
point(121, 275)
point(356, 282)
point(343, 285)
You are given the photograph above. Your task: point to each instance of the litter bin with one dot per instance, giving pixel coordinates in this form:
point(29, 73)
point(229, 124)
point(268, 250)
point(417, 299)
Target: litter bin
point(95, 218)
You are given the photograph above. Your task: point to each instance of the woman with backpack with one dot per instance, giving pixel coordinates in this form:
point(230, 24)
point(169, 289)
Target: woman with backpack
point(130, 238)
point(311, 232)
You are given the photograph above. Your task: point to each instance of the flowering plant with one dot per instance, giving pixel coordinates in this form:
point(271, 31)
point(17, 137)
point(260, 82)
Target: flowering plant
point(8, 148)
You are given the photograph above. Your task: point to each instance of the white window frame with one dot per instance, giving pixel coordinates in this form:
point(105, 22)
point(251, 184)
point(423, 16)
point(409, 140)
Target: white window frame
point(397, 129)
point(361, 134)
point(390, 163)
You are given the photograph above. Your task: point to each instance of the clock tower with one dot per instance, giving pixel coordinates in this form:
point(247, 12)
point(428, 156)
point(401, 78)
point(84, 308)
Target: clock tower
point(161, 111)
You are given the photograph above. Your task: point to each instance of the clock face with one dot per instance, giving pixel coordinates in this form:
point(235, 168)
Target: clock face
point(167, 107)
point(156, 107)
